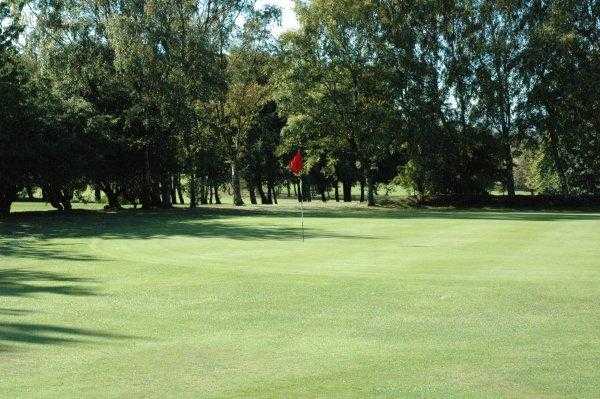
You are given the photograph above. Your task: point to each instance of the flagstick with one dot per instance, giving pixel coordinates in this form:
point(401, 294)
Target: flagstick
point(302, 206)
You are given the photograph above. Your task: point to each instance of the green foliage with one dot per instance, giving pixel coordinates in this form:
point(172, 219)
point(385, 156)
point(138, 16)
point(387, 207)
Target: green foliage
point(134, 97)
point(563, 70)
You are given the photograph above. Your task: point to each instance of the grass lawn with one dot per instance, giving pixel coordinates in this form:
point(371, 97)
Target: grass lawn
point(230, 303)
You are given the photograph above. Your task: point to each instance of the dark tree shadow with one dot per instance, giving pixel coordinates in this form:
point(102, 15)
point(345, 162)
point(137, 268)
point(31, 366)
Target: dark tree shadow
point(44, 334)
point(39, 249)
point(380, 212)
point(26, 283)
point(30, 234)
point(14, 312)
point(21, 282)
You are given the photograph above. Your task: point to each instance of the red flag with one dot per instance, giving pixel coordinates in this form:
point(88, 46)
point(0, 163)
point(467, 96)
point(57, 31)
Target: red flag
point(297, 163)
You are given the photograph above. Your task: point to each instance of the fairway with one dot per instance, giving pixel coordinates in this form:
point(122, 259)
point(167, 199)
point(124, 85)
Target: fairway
point(230, 303)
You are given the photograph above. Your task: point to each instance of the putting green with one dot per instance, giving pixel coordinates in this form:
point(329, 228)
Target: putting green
point(226, 303)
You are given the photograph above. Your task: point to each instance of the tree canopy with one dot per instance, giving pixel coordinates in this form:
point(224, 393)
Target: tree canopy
point(156, 102)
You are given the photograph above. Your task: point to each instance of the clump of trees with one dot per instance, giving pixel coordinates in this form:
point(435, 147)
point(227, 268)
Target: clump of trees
point(146, 101)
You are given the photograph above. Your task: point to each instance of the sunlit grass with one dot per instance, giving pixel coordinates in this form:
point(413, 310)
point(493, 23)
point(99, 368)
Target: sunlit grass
point(221, 302)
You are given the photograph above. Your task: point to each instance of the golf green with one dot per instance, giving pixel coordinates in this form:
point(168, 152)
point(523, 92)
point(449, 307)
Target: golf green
point(223, 302)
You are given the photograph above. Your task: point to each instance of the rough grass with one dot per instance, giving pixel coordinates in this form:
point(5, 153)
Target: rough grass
point(230, 303)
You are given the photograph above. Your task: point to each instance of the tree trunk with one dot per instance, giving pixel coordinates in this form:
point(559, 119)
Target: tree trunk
point(97, 194)
point(66, 196)
point(147, 196)
point(172, 190)
point(558, 164)
point(112, 198)
point(165, 187)
point(156, 194)
point(287, 185)
point(274, 189)
point(5, 205)
point(306, 190)
point(193, 190)
point(362, 189)
point(337, 192)
point(509, 171)
point(53, 198)
point(30, 195)
point(506, 131)
point(178, 189)
point(235, 184)
point(371, 187)
point(217, 198)
point(347, 190)
point(203, 191)
point(7, 196)
point(210, 193)
point(263, 197)
point(113, 202)
point(270, 193)
point(252, 192)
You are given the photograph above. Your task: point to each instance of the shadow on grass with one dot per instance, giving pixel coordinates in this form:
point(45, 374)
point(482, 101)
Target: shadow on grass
point(380, 212)
point(29, 234)
point(44, 334)
point(39, 249)
point(25, 283)
point(14, 312)
point(21, 283)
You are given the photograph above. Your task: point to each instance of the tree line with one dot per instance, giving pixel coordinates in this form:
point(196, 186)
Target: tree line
point(151, 101)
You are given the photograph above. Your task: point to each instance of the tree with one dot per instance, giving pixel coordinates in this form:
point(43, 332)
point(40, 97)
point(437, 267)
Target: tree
point(16, 112)
point(502, 38)
point(563, 73)
point(235, 110)
point(337, 86)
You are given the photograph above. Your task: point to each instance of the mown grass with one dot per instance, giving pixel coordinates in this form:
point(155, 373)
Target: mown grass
point(222, 302)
